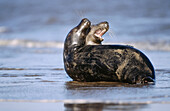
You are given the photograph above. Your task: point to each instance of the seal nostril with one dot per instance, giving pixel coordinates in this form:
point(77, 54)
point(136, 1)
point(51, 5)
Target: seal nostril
point(107, 24)
point(86, 22)
point(85, 19)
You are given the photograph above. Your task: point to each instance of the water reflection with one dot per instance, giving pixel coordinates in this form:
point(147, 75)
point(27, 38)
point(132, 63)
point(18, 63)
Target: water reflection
point(75, 84)
point(103, 107)
point(106, 91)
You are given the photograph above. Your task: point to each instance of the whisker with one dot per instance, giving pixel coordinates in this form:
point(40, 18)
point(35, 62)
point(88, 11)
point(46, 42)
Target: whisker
point(111, 33)
point(95, 21)
point(80, 13)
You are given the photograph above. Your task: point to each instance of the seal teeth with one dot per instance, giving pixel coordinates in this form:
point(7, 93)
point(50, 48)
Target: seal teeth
point(100, 32)
point(98, 35)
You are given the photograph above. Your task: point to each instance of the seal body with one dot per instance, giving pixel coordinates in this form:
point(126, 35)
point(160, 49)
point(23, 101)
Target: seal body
point(91, 63)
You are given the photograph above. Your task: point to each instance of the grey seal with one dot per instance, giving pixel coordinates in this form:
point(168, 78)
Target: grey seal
point(90, 63)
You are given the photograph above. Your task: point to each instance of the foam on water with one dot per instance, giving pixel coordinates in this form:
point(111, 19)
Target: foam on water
point(30, 43)
point(144, 45)
point(86, 101)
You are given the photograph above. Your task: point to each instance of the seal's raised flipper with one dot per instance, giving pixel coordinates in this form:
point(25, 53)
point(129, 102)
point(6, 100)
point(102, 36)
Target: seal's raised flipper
point(148, 80)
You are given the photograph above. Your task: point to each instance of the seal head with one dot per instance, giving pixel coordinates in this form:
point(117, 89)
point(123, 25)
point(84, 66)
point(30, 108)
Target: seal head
point(96, 32)
point(76, 37)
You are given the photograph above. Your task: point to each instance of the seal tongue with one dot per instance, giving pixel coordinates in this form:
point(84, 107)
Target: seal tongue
point(99, 33)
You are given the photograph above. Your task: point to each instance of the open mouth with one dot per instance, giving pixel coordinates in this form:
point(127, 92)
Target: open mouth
point(99, 33)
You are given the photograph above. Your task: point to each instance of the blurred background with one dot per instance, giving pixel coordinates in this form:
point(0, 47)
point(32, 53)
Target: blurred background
point(32, 34)
point(44, 23)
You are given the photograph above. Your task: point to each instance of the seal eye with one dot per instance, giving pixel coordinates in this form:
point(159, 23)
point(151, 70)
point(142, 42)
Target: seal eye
point(85, 23)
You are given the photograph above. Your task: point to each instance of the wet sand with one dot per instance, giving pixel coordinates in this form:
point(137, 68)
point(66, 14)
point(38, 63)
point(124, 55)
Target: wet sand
point(61, 106)
point(31, 79)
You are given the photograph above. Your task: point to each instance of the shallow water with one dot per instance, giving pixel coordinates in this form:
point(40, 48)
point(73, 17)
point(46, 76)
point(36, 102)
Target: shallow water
point(31, 47)
point(37, 73)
